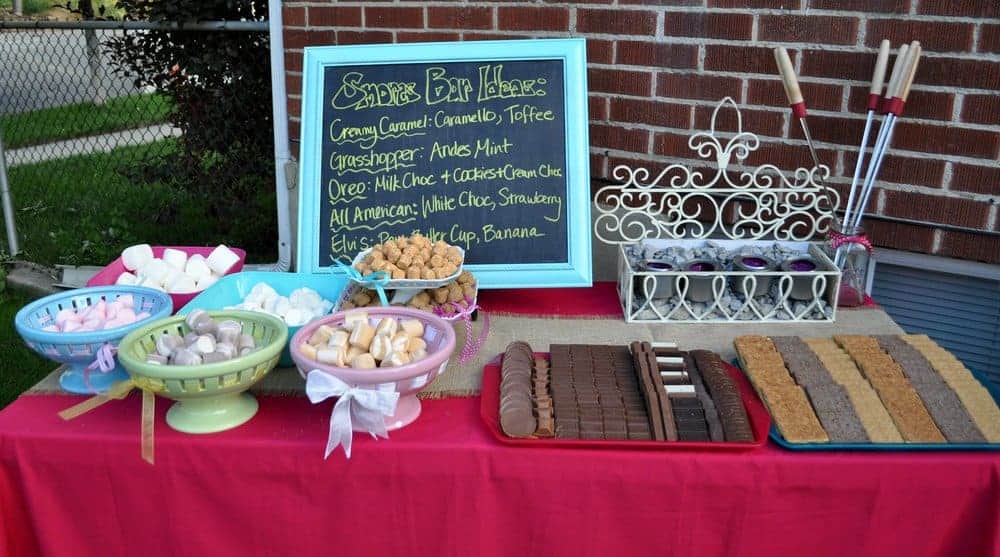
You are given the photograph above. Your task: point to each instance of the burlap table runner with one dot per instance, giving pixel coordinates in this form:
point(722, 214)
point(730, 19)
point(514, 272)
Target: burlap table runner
point(465, 379)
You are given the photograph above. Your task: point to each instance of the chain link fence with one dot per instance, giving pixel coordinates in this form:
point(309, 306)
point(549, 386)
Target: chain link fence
point(108, 143)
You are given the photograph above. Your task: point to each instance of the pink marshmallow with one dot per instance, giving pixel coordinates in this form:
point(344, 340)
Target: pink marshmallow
point(51, 328)
point(65, 315)
point(126, 300)
point(126, 315)
point(114, 323)
point(93, 324)
point(143, 315)
point(71, 326)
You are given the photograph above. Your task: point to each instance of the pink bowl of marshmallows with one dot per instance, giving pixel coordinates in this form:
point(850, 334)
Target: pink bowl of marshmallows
point(400, 349)
point(183, 272)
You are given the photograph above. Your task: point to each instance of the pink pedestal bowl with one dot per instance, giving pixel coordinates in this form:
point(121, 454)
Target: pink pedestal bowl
point(407, 380)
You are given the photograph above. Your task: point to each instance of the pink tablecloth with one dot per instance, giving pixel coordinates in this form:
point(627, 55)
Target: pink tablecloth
point(444, 487)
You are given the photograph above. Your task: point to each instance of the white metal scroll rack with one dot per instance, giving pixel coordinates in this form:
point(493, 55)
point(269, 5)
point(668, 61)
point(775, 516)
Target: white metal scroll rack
point(723, 208)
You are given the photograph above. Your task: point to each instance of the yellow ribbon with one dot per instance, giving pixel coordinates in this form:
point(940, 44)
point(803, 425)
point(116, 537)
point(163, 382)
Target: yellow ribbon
point(118, 391)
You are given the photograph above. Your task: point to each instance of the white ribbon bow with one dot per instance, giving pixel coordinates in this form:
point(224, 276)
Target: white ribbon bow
point(357, 409)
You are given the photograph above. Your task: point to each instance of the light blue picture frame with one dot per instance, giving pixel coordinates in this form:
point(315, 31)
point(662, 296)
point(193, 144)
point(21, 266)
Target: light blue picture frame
point(577, 270)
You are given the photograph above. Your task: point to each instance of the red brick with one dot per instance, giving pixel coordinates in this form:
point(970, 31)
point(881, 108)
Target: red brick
point(708, 25)
point(598, 108)
point(292, 16)
point(599, 51)
point(425, 37)
point(749, 59)
point(964, 8)
point(989, 38)
point(299, 38)
point(697, 86)
point(671, 145)
point(614, 21)
point(921, 104)
point(363, 37)
point(660, 55)
point(878, 6)
point(334, 16)
point(293, 61)
point(465, 17)
point(294, 107)
point(293, 83)
point(976, 179)
point(762, 122)
point(819, 96)
point(488, 37)
point(831, 129)
point(619, 138)
point(757, 4)
point(654, 113)
point(382, 16)
point(805, 28)
point(664, 2)
point(294, 132)
point(598, 165)
point(981, 109)
point(620, 81)
point(958, 72)
point(533, 19)
point(946, 140)
point(936, 208)
point(921, 171)
point(965, 245)
point(934, 36)
point(857, 66)
point(896, 235)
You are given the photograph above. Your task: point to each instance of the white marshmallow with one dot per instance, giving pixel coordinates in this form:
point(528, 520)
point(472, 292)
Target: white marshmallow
point(135, 257)
point(127, 279)
point(172, 275)
point(205, 282)
point(155, 270)
point(282, 305)
point(221, 259)
point(175, 258)
point(295, 317)
point(183, 284)
point(150, 283)
point(204, 345)
point(197, 268)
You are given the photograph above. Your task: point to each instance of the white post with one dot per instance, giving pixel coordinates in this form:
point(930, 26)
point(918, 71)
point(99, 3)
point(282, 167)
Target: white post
point(97, 93)
point(18, 7)
point(8, 204)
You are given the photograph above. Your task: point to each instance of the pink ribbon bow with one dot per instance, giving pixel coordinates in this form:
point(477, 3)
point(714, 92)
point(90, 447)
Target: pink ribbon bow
point(471, 347)
point(104, 361)
point(837, 239)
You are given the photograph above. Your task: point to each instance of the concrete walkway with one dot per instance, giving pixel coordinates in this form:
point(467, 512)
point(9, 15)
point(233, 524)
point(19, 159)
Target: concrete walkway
point(90, 144)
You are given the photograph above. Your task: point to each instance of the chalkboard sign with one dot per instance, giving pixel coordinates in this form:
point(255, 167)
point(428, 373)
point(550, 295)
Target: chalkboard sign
point(482, 145)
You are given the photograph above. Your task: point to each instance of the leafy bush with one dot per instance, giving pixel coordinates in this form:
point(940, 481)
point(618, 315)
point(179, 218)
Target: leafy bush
point(220, 86)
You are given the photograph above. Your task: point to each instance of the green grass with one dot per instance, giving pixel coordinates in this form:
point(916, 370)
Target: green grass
point(20, 368)
point(31, 7)
point(84, 210)
point(78, 120)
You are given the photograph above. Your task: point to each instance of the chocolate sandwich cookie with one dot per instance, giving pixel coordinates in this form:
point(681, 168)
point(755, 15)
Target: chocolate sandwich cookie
point(517, 418)
point(725, 394)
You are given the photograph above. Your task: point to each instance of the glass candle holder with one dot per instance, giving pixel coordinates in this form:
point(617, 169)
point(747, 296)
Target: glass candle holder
point(849, 249)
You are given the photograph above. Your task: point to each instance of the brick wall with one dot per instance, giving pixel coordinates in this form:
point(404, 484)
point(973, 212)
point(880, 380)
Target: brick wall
point(656, 68)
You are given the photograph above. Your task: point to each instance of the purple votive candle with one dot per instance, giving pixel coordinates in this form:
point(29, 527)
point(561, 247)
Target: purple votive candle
point(659, 266)
point(701, 267)
point(802, 265)
point(755, 262)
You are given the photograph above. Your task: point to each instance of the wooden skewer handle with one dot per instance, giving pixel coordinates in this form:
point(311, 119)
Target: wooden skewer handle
point(913, 72)
point(790, 82)
point(895, 103)
point(878, 78)
point(897, 68)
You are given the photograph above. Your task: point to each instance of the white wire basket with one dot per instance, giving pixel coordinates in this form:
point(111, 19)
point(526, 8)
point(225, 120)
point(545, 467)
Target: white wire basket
point(698, 223)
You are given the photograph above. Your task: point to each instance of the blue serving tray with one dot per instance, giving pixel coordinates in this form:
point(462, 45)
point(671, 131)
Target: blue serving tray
point(840, 446)
point(230, 290)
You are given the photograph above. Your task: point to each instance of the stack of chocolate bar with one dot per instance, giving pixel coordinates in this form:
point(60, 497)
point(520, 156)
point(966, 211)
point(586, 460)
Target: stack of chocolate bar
point(641, 392)
point(595, 393)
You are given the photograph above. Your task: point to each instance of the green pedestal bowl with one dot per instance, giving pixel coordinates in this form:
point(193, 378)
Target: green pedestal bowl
point(210, 397)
